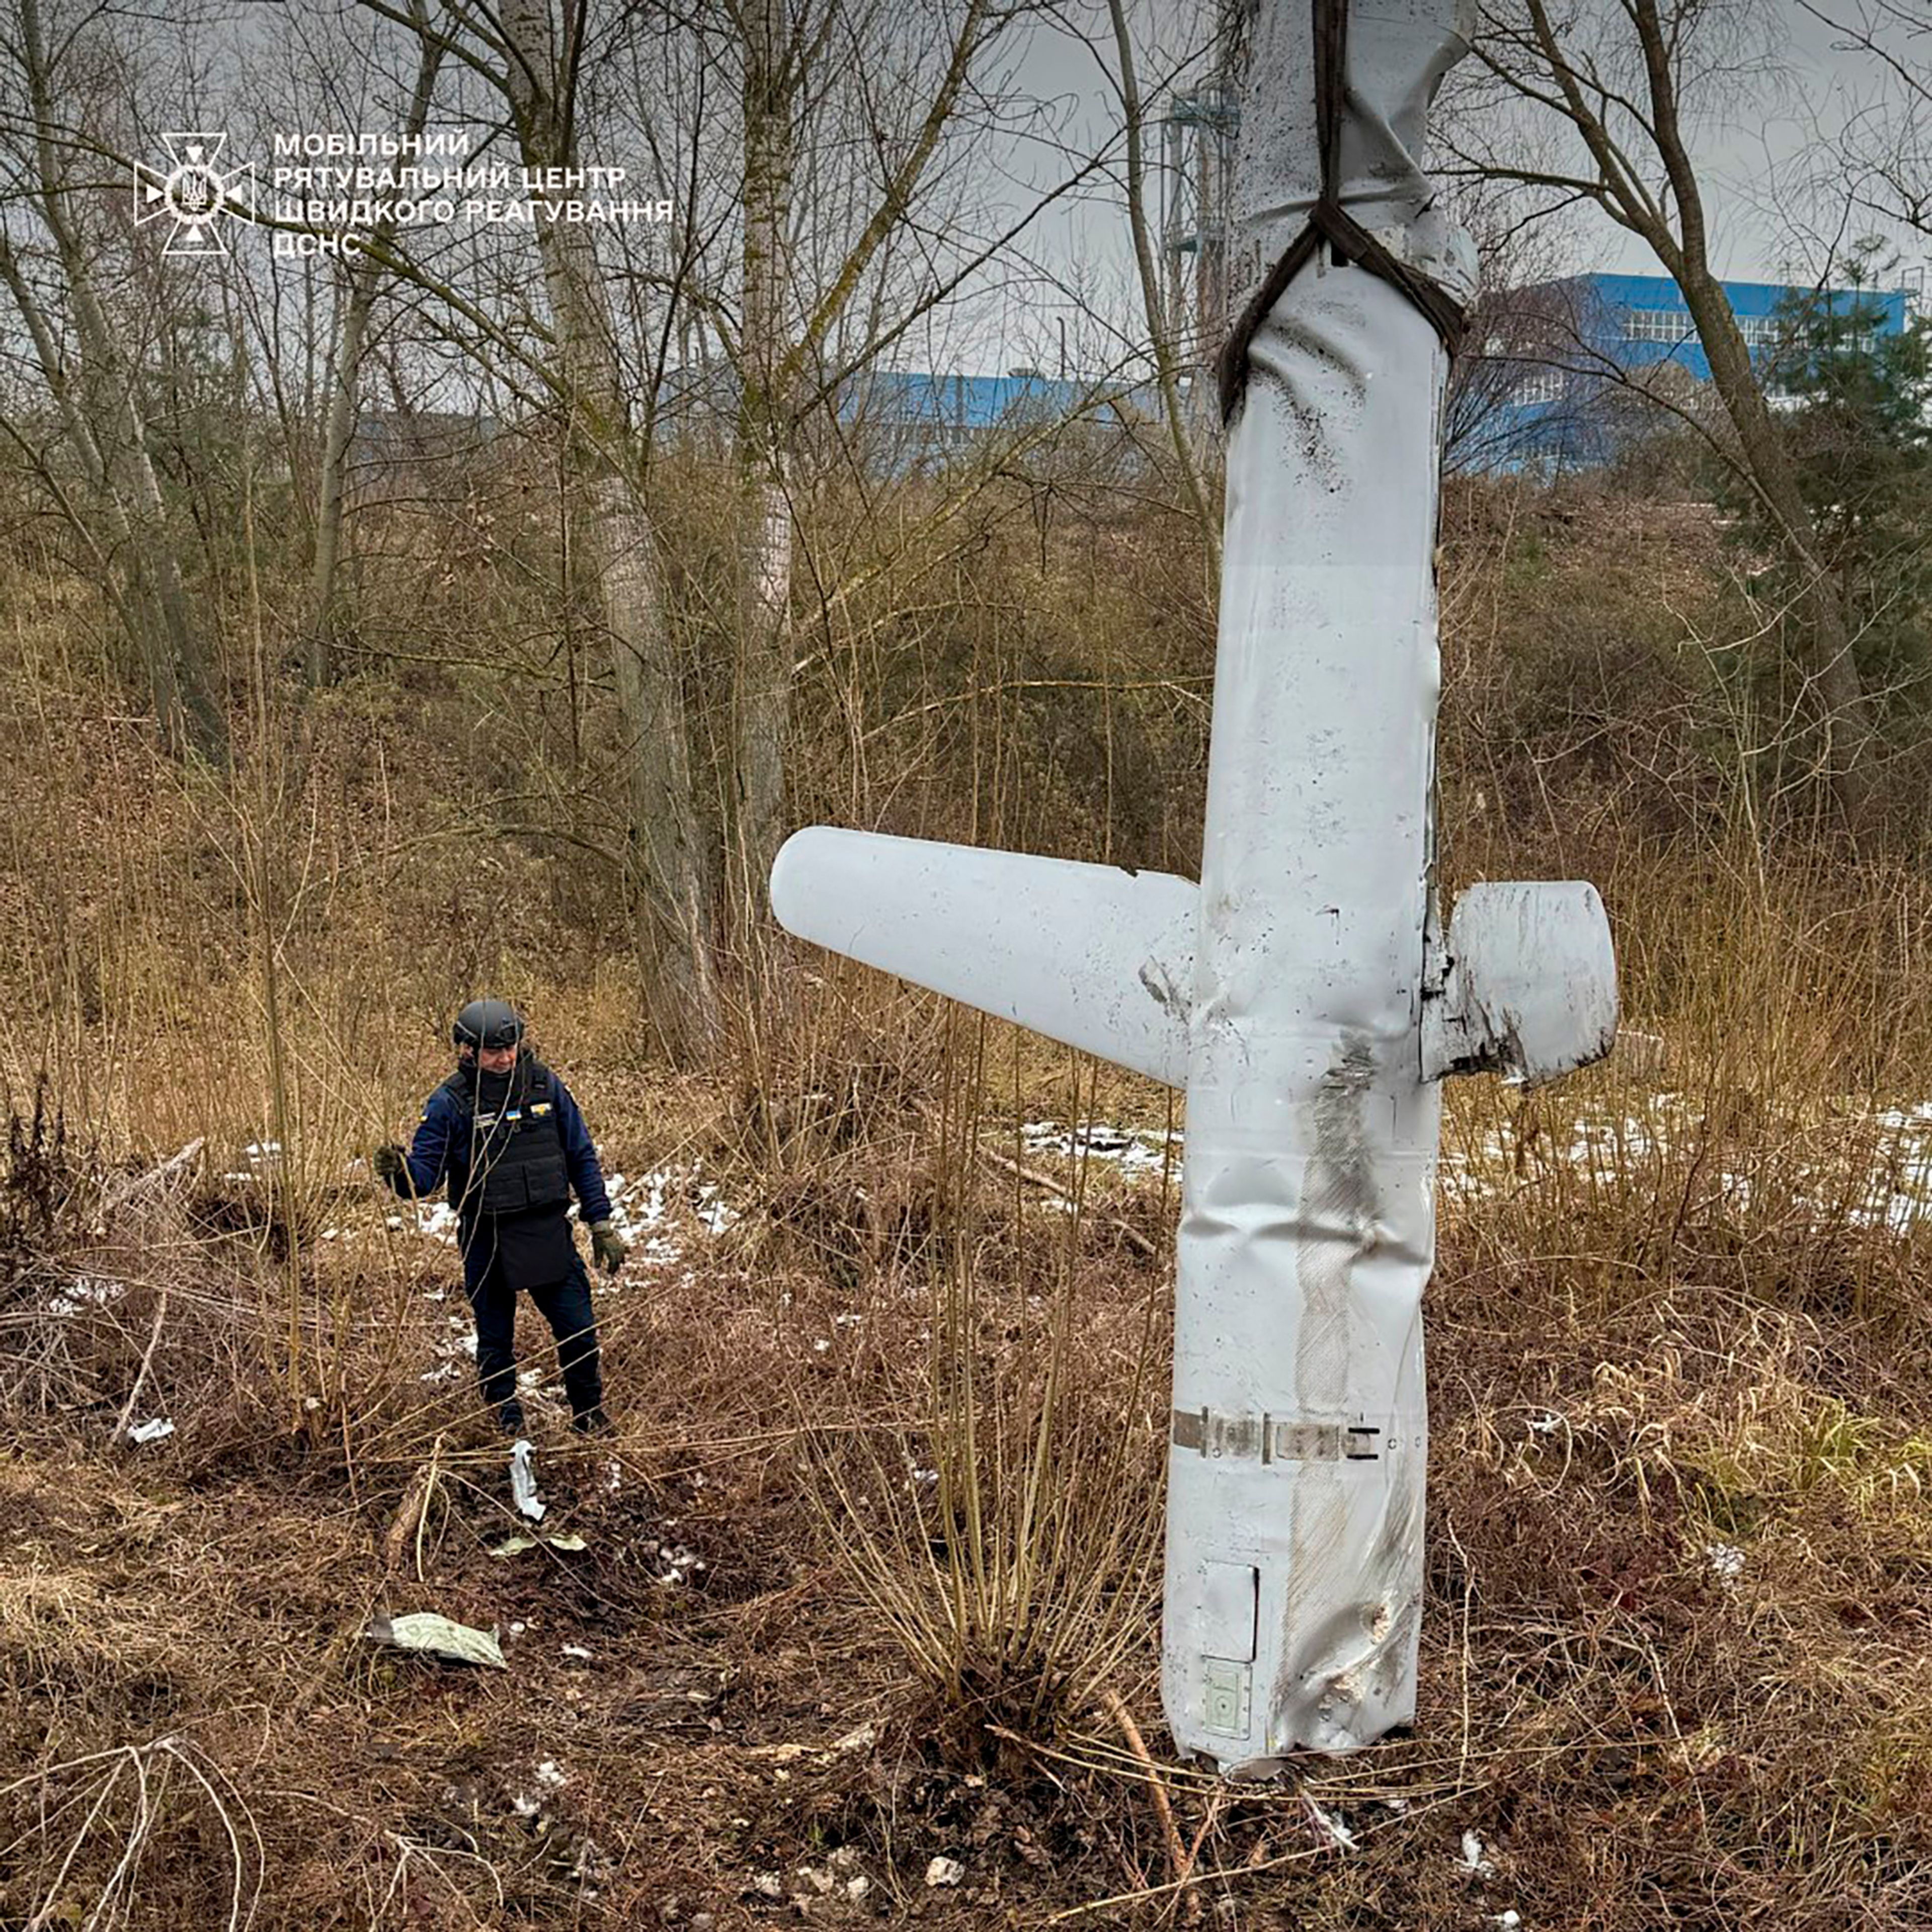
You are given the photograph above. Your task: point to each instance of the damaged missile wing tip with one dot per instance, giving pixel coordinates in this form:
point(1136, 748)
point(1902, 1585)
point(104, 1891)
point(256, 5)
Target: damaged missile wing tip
point(1526, 985)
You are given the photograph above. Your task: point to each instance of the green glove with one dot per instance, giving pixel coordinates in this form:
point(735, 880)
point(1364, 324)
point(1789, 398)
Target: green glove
point(389, 1163)
point(609, 1247)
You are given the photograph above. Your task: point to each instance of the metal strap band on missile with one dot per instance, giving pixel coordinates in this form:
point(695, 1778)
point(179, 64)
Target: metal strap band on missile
point(1270, 1438)
point(1329, 221)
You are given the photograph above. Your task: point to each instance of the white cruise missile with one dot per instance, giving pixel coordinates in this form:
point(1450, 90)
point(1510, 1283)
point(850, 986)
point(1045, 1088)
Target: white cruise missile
point(1303, 994)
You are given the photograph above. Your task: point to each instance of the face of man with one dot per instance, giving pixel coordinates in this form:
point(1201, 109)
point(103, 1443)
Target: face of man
point(495, 1059)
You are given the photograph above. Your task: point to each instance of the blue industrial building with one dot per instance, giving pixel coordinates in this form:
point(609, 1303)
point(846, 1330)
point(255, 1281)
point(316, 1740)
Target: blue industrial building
point(907, 420)
point(1570, 371)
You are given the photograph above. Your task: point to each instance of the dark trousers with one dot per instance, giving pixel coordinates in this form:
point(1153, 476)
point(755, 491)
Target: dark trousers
point(565, 1306)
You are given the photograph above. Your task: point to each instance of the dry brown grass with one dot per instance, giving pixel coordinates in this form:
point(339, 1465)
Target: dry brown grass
point(1680, 1572)
point(1680, 1546)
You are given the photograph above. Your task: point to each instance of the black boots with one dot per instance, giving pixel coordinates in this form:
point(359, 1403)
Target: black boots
point(593, 1422)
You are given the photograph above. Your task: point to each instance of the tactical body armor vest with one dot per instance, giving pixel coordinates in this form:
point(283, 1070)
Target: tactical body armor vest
point(508, 1159)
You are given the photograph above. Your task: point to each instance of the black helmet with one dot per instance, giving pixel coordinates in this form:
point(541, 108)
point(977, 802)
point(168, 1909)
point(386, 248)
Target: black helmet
point(487, 1023)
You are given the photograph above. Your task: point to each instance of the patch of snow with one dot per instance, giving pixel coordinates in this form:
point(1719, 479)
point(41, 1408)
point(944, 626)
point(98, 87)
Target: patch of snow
point(1727, 1562)
point(83, 1290)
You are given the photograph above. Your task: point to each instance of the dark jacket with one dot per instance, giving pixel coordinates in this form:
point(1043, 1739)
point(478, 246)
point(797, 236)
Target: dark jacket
point(511, 1155)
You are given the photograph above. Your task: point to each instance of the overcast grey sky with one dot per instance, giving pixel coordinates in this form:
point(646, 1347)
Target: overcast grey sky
point(1763, 150)
point(1069, 279)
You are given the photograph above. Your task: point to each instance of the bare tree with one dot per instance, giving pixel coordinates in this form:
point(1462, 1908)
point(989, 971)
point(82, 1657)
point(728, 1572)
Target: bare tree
point(94, 372)
point(1165, 375)
point(363, 283)
point(616, 543)
point(792, 319)
point(1624, 79)
point(774, 52)
point(1892, 150)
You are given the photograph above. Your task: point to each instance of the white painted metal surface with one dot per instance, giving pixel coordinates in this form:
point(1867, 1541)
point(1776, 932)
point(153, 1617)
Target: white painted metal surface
point(1323, 1005)
point(1095, 955)
point(1528, 986)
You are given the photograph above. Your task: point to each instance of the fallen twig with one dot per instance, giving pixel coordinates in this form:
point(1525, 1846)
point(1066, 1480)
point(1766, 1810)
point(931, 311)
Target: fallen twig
point(126, 1414)
point(1033, 1177)
point(1179, 1861)
point(410, 1516)
point(150, 1180)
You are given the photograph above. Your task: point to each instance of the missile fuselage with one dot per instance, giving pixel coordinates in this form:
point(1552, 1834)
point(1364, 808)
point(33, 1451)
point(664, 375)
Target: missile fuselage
point(1303, 993)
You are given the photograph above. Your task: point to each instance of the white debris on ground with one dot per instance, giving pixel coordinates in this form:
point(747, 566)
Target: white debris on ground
point(523, 1481)
point(550, 1777)
point(944, 1871)
point(1133, 1150)
point(83, 1290)
point(1328, 1828)
point(672, 1563)
point(258, 1157)
point(1473, 1860)
point(437, 1636)
point(152, 1430)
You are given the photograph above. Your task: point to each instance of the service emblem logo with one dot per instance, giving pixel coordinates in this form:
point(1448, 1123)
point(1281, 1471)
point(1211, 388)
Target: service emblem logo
point(194, 193)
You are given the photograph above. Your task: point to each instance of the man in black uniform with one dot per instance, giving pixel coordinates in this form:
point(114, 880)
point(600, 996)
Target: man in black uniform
point(503, 1131)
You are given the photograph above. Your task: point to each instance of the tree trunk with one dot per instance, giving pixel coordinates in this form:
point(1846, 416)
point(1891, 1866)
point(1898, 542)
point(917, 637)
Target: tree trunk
point(616, 550)
point(1849, 738)
point(318, 657)
point(763, 683)
point(1849, 733)
point(172, 660)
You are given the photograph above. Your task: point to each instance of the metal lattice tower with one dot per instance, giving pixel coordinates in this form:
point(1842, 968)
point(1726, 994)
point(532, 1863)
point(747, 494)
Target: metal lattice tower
point(1198, 133)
